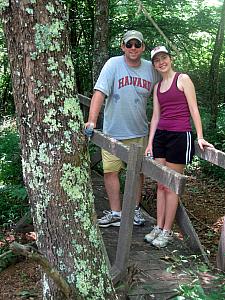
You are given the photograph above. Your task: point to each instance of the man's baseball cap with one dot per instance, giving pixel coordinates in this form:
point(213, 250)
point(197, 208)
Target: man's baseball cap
point(157, 50)
point(133, 34)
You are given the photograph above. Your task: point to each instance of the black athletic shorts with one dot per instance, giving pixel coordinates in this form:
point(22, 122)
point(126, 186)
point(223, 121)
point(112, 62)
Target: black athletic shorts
point(176, 147)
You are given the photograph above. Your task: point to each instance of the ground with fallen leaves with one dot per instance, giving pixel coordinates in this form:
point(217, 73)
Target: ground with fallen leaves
point(204, 200)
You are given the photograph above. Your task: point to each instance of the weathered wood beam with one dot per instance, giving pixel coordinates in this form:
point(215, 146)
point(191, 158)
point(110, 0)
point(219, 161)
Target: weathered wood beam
point(87, 102)
point(190, 235)
point(212, 155)
point(150, 168)
point(116, 274)
point(131, 191)
point(96, 158)
point(111, 145)
point(85, 105)
point(84, 100)
point(174, 180)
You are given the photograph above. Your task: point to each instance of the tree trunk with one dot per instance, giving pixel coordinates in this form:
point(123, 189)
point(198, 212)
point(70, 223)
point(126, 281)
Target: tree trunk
point(100, 37)
point(214, 70)
point(54, 150)
point(81, 18)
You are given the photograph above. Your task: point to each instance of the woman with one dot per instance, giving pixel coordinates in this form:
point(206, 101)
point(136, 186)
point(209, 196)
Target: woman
point(170, 140)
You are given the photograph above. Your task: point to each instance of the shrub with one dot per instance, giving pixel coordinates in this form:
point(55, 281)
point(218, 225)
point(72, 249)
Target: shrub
point(13, 204)
point(10, 154)
point(13, 196)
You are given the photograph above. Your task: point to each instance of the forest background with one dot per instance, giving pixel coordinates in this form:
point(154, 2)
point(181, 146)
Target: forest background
point(194, 28)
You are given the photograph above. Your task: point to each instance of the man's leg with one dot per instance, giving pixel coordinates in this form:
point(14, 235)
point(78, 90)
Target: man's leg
point(111, 167)
point(112, 185)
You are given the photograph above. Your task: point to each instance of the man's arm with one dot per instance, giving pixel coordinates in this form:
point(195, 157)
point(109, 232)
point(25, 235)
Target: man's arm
point(96, 104)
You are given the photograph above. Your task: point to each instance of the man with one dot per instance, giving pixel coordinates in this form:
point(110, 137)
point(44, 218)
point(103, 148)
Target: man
point(126, 82)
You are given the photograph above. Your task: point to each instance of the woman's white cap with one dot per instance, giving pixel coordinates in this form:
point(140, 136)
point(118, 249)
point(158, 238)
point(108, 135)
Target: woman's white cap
point(157, 50)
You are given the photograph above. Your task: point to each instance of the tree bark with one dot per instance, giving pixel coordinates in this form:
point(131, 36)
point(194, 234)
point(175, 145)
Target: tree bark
point(81, 18)
point(101, 33)
point(54, 150)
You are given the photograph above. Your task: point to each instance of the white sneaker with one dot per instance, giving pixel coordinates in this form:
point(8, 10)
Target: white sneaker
point(163, 239)
point(153, 234)
point(138, 218)
point(109, 219)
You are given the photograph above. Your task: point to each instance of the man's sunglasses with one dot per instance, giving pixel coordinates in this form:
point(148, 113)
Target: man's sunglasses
point(136, 45)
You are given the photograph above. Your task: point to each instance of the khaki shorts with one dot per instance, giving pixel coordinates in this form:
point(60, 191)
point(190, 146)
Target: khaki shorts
point(111, 163)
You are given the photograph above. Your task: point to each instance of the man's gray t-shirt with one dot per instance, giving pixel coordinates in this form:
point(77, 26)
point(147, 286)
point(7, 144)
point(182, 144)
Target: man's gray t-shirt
point(127, 90)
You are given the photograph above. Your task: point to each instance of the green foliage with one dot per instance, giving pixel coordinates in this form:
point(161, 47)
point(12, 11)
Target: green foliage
point(213, 288)
point(13, 204)
point(13, 196)
point(194, 291)
point(192, 29)
point(10, 154)
point(8, 259)
point(6, 99)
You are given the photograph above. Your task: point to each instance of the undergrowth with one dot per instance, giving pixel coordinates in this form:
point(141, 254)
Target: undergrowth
point(13, 196)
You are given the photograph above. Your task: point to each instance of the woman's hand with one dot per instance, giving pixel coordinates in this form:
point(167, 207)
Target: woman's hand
point(203, 143)
point(148, 151)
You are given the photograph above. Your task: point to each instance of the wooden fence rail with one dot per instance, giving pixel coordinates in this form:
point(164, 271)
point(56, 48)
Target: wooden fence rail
point(150, 168)
point(215, 157)
point(137, 164)
point(212, 155)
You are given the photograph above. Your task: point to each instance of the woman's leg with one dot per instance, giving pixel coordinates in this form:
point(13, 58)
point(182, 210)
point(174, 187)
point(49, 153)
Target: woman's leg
point(161, 199)
point(161, 206)
point(171, 201)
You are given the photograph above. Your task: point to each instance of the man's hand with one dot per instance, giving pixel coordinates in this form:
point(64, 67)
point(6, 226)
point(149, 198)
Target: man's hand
point(89, 129)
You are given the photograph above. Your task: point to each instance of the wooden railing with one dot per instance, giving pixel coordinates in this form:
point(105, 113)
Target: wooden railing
point(215, 157)
point(137, 164)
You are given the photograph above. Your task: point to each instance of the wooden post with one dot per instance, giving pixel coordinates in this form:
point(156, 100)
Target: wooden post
point(96, 158)
point(189, 232)
point(132, 186)
point(220, 260)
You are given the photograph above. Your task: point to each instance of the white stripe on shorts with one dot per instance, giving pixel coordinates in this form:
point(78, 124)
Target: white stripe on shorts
point(188, 150)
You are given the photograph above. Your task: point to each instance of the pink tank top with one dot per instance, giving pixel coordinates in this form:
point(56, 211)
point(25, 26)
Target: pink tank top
point(174, 110)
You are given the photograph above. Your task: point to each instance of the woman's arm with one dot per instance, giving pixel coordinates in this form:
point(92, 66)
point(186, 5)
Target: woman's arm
point(154, 121)
point(185, 84)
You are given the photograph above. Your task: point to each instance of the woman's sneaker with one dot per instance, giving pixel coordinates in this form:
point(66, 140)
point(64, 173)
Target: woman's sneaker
point(153, 234)
point(163, 239)
point(109, 219)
